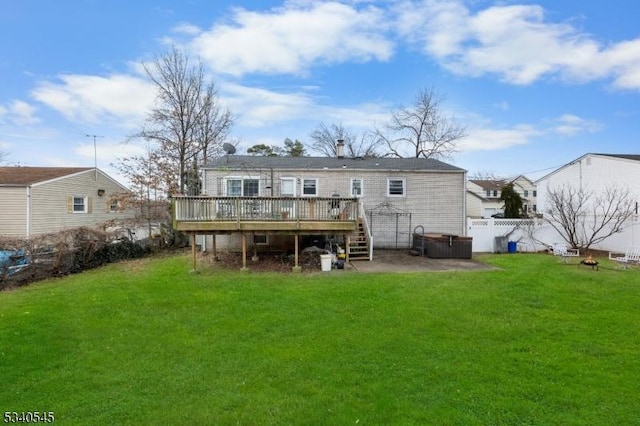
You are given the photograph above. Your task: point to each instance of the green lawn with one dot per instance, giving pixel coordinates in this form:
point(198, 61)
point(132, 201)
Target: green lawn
point(145, 342)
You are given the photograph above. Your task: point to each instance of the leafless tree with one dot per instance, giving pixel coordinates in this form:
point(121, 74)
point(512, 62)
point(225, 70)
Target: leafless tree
point(422, 130)
point(3, 155)
point(584, 218)
point(187, 123)
point(325, 137)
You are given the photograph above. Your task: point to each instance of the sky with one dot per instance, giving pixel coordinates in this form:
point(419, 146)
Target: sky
point(536, 84)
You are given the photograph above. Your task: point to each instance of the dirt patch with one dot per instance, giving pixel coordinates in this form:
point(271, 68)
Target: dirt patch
point(383, 261)
point(266, 262)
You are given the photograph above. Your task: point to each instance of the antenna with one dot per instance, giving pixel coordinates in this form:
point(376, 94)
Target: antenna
point(95, 154)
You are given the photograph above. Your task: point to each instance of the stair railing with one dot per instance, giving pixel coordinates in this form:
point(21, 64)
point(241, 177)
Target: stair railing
point(367, 230)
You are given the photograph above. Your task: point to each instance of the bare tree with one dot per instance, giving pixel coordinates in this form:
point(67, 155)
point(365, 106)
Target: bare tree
point(422, 130)
point(584, 218)
point(325, 137)
point(187, 124)
point(3, 155)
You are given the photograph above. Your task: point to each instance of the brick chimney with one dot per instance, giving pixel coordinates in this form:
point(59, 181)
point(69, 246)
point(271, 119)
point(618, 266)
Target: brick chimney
point(340, 148)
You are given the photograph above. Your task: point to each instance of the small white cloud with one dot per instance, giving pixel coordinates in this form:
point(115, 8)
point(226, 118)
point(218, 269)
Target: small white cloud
point(571, 125)
point(497, 139)
point(123, 98)
point(18, 113)
point(291, 38)
point(186, 29)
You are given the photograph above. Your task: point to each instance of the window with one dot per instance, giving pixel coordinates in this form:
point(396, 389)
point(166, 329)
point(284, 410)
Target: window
point(495, 193)
point(535, 193)
point(288, 187)
point(356, 187)
point(115, 206)
point(242, 187)
point(526, 192)
point(79, 204)
point(488, 193)
point(310, 187)
point(260, 239)
point(395, 187)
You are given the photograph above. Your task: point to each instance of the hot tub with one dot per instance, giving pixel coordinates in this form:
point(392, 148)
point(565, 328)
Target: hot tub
point(442, 246)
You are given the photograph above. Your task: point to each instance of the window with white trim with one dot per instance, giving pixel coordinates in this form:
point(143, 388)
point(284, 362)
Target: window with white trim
point(357, 185)
point(396, 187)
point(310, 187)
point(79, 204)
point(242, 186)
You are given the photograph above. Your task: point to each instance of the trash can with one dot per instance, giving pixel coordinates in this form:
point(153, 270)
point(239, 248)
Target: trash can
point(501, 245)
point(325, 262)
point(513, 247)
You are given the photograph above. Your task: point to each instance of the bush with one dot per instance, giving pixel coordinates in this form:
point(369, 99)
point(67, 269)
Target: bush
point(67, 252)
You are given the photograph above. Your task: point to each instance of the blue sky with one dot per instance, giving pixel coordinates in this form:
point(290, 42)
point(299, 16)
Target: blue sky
point(536, 83)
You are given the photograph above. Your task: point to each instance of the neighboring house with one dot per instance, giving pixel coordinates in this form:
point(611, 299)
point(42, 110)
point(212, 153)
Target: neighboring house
point(389, 196)
point(595, 173)
point(39, 200)
point(483, 196)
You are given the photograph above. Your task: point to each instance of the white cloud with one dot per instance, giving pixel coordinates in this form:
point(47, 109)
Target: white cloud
point(257, 107)
point(571, 125)
point(515, 42)
point(123, 98)
point(289, 39)
point(485, 139)
point(18, 113)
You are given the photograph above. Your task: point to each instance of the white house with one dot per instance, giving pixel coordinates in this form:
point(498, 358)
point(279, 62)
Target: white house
point(483, 196)
point(285, 200)
point(595, 173)
point(40, 200)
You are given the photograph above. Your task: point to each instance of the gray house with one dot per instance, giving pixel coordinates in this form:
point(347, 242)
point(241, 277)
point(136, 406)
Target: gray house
point(40, 200)
point(271, 201)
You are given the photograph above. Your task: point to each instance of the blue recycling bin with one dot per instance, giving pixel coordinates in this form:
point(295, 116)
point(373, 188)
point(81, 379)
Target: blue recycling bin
point(512, 247)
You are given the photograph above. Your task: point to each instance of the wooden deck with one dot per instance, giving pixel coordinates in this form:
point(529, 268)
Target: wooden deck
point(285, 215)
point(295, 216)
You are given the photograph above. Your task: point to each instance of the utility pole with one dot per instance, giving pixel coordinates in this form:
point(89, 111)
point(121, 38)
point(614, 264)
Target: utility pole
point(95, 154)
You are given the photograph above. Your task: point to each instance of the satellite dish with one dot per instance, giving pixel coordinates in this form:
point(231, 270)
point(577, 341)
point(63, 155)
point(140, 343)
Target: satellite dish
point(228, 148)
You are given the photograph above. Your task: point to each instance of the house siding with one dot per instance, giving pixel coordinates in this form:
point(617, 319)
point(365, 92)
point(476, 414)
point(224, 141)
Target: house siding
point(49, 202)
point(595, 174)
point(14, 213)
point(435, 199)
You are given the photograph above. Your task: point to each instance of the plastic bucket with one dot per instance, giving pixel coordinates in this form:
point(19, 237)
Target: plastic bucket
point(325, 262)
point(513, 246)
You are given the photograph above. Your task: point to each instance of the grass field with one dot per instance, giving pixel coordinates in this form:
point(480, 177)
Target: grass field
point(145, 342)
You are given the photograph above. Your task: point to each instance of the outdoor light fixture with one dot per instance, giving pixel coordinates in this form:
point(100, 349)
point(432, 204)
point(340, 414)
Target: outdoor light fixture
point(100, 192)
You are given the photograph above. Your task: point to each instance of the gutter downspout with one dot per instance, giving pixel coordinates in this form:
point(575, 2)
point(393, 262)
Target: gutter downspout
point(28, 211)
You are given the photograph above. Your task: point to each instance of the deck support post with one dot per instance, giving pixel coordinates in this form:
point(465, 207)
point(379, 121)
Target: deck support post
point(347, 244)
point(193, 252)
point(214, 249)
point(244, 252)
point(296, 267)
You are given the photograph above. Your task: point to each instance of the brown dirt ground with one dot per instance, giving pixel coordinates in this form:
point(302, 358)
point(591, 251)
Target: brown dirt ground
point(383, 261)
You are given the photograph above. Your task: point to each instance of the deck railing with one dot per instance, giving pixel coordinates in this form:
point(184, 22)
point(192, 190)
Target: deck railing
point(212, 209)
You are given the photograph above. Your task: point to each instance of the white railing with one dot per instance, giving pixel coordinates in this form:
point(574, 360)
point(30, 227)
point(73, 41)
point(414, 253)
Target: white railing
point(365, 224)
point(209, 208)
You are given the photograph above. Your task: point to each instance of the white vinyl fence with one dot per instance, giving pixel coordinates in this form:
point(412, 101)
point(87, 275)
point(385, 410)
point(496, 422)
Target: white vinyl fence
point(534, 235)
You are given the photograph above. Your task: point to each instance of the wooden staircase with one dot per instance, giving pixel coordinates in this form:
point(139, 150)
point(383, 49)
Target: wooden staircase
point(359, 244)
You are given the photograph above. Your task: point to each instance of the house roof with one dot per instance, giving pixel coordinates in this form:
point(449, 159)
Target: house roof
point(491, 184)
point(633, 157)
point(323, 163)
point(24, 176)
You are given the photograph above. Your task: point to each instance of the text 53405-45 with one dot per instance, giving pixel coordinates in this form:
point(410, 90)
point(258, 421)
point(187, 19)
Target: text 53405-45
point(29, 417)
